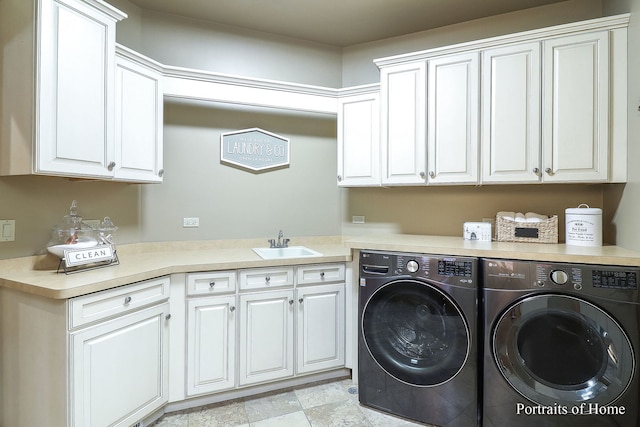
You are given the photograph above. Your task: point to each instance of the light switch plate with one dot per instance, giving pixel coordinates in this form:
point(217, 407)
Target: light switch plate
point(7, 230)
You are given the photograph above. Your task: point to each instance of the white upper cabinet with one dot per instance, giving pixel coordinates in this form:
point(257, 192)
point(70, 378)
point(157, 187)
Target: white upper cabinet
point(60, 65)
point(359, 139)
point(79, 111)
point(511, 113)
point(139, 112)
point(403, 140)
point(452, 125)
point(576, 108)
point(551, 107)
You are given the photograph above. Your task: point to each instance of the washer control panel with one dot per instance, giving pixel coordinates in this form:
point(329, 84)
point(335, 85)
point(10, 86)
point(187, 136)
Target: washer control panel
point(451, 270)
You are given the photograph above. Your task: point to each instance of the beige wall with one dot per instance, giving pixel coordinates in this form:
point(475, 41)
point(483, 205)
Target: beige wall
point(301, 199)
point(626, 216)
point(38, 203)
point(443, 210)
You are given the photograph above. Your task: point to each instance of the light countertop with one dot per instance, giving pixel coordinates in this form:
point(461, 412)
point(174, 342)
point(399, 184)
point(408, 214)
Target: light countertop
point(447, 245)
point(141, 261)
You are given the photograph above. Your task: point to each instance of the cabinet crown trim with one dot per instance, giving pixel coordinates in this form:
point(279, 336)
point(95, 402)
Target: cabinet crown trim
point(606, 23)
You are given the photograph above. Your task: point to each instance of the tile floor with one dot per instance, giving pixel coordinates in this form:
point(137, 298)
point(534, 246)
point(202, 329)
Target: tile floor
point(328, 404)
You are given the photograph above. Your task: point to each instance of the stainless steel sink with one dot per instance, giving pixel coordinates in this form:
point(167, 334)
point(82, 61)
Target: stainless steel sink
point(290, 252)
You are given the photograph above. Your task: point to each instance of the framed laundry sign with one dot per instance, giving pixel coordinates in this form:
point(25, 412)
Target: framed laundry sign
point(254, 149)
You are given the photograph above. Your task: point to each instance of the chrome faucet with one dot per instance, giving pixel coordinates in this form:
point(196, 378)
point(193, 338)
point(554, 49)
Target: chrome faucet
point(281, 243)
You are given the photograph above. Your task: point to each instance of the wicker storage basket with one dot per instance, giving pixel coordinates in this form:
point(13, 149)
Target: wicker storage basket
point(532, 232)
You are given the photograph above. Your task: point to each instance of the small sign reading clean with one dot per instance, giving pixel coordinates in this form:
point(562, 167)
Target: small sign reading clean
point(254, 149)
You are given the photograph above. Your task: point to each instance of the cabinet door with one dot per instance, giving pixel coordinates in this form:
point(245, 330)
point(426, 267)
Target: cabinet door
point(211, 344)
point(119, 369)
point(403, 142)
point(576, 108)
point(511, 143)
point(452, 152)
point(359, 140)
point(321, 327)
point(266, 336)
point(75, 100)
point(139, 112)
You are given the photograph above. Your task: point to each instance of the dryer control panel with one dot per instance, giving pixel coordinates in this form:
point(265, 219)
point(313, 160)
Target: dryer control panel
point(615, 282)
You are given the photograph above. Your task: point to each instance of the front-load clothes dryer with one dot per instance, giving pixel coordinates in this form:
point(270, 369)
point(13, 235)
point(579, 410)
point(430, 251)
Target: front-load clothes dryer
point(417, 353)
point(561, 344)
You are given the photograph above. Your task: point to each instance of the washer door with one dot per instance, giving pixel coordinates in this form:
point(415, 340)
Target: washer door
point(558, 349)
point(415, 332)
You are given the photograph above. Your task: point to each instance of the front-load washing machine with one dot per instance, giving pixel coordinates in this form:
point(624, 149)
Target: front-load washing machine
point(417, 352)
point(561, 344)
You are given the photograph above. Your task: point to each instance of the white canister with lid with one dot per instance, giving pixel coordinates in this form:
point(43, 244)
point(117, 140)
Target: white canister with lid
point(583, 226)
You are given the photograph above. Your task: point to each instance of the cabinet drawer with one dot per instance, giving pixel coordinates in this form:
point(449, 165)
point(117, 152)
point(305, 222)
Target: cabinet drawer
point(320, 273)
point(212, 282)
point(105, 304)
point(261, 278)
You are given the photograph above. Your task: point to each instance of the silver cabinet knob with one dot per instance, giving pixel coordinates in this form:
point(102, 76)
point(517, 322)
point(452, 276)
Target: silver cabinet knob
point(267, 279)
point(290, 302)
point(212, 284)
point(432, 174)
point(111, 165)
point(161, 173)
point(232, 308)
point(322, 275)
point(339, 178)
point(548, 171)
point(536, 171)
point(167, 317)
point(127, 299)
point(301, 300)
point(422, 174)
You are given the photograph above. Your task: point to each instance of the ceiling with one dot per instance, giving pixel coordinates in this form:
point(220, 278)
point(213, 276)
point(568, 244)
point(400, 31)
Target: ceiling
point(338, 22)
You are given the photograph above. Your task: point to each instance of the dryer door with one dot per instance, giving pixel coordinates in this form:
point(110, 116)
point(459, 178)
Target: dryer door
point(415, 332)
point(559, 349)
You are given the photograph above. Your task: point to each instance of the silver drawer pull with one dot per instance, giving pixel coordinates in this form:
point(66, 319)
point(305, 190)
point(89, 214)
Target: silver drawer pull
point(127, 300)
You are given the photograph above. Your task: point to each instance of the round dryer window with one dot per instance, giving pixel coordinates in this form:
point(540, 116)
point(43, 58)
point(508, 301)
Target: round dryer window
point(558, 349)
point(415, 332)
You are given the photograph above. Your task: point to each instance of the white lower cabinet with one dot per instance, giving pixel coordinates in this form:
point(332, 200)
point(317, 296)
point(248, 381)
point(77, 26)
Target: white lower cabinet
point(266, 336)
point(288, 321)
point(96, 360)
point(211, 344)
point(119, 354)
point(119, 369)
point(320, 327)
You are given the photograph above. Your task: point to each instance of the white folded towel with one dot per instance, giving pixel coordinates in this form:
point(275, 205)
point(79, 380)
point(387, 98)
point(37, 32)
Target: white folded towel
point(510, 216)
point(534, 217)
point(520, 217)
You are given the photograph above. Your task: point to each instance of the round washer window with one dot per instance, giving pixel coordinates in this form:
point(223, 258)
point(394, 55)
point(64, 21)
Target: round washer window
point(415, 332)
point(560, 349)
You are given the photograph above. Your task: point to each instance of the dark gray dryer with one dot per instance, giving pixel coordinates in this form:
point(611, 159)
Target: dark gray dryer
point(417, 352)
point(561, 344)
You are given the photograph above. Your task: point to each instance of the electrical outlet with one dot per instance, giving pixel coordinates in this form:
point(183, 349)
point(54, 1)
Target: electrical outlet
point(357, 219)
point(190, 222)
point(7, 230)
